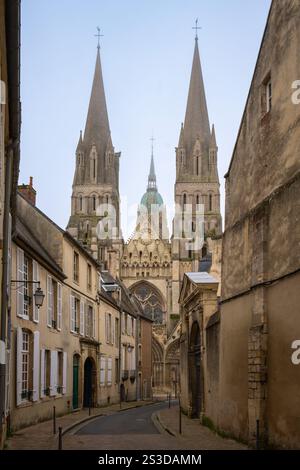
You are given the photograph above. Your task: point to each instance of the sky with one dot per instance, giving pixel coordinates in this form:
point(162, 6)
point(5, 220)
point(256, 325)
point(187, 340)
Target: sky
point(146, 54)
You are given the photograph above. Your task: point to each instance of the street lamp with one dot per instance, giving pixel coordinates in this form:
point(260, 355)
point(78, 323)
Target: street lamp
point(38, 295)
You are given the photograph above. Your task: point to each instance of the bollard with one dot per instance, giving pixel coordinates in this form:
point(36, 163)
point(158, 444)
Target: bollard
point(59, 438)
point(54, 420)
point(180, 423)
point(257, 434)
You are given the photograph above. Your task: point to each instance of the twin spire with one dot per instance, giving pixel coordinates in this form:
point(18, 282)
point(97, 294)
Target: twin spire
point(97, 129)
point(196, 122)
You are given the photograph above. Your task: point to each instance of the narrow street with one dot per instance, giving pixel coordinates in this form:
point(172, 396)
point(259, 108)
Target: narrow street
point(135, 421)
point(144, 428)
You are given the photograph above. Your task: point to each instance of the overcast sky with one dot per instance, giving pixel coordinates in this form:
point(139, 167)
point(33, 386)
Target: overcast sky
point(146, 55)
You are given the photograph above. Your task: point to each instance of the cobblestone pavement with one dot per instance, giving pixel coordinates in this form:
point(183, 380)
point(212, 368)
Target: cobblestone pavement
point(194, 436)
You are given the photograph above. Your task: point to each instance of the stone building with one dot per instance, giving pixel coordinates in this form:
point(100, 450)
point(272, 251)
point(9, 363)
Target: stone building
point(10, 121)
point(260, 327)
point(55, 347)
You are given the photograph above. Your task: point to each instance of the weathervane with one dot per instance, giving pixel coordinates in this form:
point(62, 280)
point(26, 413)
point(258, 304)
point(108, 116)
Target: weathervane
point(196, 28)
point(98, 35)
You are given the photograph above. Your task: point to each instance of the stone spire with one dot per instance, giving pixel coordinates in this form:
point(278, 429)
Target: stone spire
point(152, 175)
point(97, 125)
point(196, 123)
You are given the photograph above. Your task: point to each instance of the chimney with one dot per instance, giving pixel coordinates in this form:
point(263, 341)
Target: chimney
point(28, 192)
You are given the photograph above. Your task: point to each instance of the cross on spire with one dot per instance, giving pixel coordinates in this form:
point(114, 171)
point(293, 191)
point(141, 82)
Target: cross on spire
point(152, 140)
point(98, 35)
point(196, 28)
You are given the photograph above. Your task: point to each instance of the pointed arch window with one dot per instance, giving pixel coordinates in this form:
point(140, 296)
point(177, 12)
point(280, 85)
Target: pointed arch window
point(210, 203)
point(184, 199)
point(197, 165)
point(80, 203)
point(94, 203)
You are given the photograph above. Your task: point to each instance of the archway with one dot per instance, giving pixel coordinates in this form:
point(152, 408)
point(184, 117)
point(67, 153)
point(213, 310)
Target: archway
point(158, 364)
point(75, 396)
point(172, 366)
point(89, 385)
point(195, 370)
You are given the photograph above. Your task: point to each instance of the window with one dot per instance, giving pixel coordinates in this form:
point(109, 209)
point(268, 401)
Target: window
point(151, 301)
point(54, 303)
point(268, 96)
point(74, 314)
point(80, 203)
point(109, 370)
point(25, 365)
point(60, 362)
point(76, 266)
point(47, 369)
point(27, 272)
point(27, 297)
point(210, 202)
point(94, 203)
point(108, 328)
point(117, 371)
point(117, 332)
point(102, 370)
point(89, 324)
point(89, 277)
point(94, 167)
point(184, 199)
point(197, 165)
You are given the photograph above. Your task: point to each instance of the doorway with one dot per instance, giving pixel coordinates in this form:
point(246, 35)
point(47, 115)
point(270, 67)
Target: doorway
point(89, 383)
point(75, 401)
point(195, 371)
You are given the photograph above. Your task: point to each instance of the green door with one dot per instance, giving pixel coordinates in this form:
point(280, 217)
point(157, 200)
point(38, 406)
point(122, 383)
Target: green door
point(75, 381)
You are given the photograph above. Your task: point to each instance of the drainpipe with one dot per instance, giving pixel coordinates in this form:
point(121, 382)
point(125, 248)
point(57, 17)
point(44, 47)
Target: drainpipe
point(5, 286)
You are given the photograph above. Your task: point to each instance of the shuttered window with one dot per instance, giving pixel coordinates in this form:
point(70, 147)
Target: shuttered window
point(59, 306)
point(35, 277)
point(109, 370)
point(102, 370)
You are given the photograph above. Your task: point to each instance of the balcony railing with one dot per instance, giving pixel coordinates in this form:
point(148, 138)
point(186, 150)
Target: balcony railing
point(125, 374)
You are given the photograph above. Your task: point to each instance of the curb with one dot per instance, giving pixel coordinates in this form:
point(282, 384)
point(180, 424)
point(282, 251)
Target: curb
point(161, 424)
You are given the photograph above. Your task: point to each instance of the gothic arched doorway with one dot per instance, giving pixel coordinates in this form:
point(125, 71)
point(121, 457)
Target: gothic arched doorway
point(195, 370)
point(89, 385)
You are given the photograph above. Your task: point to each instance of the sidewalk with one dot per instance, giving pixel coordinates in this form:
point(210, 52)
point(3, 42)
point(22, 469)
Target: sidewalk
point(40, 436)
point(194, 435)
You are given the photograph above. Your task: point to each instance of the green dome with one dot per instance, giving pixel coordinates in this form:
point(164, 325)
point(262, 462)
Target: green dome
point(150, 198)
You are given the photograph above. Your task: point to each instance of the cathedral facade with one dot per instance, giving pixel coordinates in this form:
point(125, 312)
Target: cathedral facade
point(151, 264)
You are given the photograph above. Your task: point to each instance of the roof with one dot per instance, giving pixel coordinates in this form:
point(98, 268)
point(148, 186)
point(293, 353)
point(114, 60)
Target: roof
point(23, 233)
point(205, 263)
point(202, 278)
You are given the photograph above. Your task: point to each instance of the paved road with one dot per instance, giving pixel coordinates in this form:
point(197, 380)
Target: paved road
point(135, 421)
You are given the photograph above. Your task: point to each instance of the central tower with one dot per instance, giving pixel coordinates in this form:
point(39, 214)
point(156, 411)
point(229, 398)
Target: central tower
point(96, 178)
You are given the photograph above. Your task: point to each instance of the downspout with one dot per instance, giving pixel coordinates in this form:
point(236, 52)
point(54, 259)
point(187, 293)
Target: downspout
point(5, 286)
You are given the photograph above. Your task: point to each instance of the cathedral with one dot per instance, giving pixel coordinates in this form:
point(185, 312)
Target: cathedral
point(151, 263)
